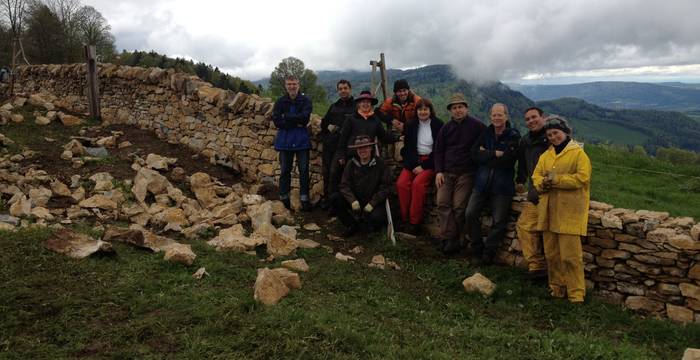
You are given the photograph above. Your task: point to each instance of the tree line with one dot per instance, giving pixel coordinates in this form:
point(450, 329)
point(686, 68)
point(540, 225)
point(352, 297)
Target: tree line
point(205, 72)
point(52, 31)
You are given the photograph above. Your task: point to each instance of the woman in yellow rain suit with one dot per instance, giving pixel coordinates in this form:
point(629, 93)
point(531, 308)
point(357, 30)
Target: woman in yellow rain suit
point(563, 178)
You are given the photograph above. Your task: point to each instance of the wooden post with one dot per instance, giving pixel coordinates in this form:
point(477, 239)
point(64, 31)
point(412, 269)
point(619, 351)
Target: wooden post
point(93, 91)
point(382, 72)
point(12, 67)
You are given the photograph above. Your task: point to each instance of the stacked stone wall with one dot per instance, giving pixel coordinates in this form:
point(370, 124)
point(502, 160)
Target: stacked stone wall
point(648, 261)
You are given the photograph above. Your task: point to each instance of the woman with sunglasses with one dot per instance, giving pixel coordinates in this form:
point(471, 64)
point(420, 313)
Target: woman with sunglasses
point(563, 178)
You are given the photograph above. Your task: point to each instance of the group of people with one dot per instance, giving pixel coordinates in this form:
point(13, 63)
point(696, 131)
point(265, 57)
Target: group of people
point(472, 165)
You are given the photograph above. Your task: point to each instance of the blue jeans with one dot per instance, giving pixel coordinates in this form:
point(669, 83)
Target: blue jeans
point(500, 209)
point(286, 163)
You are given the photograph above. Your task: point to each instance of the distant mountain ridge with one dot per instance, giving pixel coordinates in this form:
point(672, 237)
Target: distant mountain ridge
point(622, 95)
point(591, 123)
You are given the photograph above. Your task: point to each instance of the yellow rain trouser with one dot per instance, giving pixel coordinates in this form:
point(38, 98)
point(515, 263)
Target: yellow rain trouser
point(529, 238)
point(565, 265)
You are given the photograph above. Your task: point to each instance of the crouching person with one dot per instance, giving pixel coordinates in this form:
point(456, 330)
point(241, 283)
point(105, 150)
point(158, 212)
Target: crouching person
point(364, 188)
point(563, 179)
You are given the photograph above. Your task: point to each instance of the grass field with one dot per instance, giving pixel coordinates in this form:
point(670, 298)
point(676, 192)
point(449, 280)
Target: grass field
point(614, 133)
point(641, 182)
point(135, 305)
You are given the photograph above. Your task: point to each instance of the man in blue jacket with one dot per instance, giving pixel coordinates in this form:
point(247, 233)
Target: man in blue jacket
point(291, 115)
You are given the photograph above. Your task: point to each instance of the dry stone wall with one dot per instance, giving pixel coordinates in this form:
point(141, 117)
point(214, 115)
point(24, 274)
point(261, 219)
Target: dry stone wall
point(647, 261)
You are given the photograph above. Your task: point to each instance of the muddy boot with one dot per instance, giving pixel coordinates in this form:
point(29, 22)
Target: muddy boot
point(305, 206)
point(452, 246)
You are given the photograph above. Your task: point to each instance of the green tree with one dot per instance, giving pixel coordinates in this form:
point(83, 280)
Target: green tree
point(93, 29)
point(307, 79)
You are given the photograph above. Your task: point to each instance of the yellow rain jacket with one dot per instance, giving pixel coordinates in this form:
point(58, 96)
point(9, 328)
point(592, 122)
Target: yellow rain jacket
point(564, 207)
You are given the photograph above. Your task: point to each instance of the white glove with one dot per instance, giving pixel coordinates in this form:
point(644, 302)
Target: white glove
point(369, 208)
point(355, 205)
point(332, 128)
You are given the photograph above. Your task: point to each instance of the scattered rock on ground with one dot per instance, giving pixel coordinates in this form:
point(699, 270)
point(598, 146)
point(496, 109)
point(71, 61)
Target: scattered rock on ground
point(157, 162)
point(180, 253)
point(343, 257)
point(69, 120)
point(200, 273)
point(296, 265)
point(312, 227)
point(269, 289)
point(480, 284)
point(289, 278)
point(76, 245)
point(691, 354)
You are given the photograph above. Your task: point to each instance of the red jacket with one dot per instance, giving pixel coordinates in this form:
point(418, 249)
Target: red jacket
point(392, 109)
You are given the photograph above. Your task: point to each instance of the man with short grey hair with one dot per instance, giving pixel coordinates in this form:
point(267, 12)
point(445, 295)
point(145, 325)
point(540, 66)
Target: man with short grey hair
point(291, 114)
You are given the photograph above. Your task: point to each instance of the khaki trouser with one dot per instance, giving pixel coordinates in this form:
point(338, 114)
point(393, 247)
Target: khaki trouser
point(529, 238)
point(452, 198)
point(565, 265)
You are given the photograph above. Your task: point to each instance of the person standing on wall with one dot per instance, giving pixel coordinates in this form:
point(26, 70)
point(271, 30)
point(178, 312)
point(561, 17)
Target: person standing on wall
point(331, 124)
point(418, 164)
point(455, 170)
point(532, 146)
point(495, 152)
point(563, 179)
point(400, 108)
point(291, 114)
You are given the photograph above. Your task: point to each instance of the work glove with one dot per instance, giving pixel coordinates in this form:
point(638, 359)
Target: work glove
point(368, 208)
point(533, 196)
point(355, 205)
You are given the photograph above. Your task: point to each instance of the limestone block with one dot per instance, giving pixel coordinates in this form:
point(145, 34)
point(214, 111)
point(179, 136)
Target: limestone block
point(641, 303)
point(679, 314)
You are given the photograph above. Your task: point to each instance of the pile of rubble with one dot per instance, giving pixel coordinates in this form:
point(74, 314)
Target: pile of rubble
point(45, 114)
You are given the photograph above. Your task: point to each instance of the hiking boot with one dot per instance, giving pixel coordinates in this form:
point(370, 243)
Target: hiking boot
point(352, 230)
point(452, 247)
point(325, 205)
point(305, 206)
point(537, 275)
point(487, 258)
point(475, 252)
point(413, 229)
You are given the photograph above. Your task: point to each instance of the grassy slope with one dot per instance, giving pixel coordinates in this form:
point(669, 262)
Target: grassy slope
point(622, 178)
point(136, 305)
point(614, 133)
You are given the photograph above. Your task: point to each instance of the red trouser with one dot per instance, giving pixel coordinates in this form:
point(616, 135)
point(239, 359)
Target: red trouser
point(411, 190)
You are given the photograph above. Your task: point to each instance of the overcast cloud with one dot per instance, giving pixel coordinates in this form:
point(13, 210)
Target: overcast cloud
point(486, 39)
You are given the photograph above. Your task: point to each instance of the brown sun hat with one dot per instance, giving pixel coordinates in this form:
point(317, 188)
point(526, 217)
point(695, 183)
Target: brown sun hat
point(366, 95)
point(361, 141)
point(457, 98)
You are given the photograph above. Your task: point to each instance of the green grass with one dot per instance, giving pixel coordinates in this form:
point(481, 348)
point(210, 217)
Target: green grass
point(135, 305)
point(641, 182)
point(607, 132)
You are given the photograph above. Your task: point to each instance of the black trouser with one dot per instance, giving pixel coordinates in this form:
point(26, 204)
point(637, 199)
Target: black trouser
point(332, 171)
point(500, 207)
point(370, 222)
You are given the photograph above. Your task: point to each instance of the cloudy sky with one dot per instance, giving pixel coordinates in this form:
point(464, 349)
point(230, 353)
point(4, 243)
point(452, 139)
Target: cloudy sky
point(545, 41)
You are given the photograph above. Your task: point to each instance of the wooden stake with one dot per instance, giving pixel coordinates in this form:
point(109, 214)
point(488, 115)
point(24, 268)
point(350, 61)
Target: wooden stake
point(92, 85)
point(12, 67)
